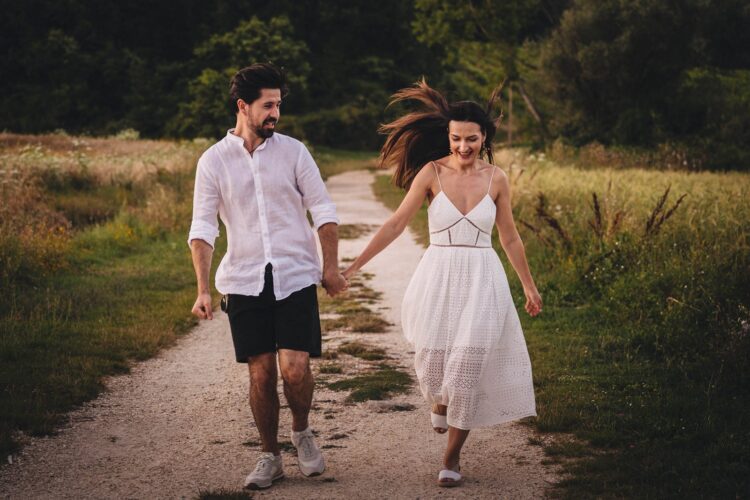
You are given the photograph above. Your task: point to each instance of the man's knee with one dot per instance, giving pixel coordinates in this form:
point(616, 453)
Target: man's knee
point(263, 371)
point(295, 366)
point(295, 374)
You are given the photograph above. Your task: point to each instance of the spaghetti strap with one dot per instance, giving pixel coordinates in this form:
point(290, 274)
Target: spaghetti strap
point(437, 174)
point(491, 176)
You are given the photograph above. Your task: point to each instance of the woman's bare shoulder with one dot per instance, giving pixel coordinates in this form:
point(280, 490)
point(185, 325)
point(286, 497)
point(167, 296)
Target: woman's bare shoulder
point(426, 174)
point(441, 162)
point(500, 182)
point(484, 164)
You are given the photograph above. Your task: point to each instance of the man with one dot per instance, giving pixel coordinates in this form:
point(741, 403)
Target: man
point(262, 184)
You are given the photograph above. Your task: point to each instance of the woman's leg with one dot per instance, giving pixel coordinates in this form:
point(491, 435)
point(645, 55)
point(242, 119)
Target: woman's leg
point(456, 440)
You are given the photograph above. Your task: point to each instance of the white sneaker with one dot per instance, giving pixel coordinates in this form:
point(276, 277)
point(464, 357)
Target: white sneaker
point(311, 461)
point(267, 470)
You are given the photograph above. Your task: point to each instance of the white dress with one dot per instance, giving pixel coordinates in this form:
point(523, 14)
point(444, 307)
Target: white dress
point(470, 353)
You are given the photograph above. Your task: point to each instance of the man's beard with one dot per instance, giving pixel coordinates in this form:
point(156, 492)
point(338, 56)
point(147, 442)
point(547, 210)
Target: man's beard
point(263, 132)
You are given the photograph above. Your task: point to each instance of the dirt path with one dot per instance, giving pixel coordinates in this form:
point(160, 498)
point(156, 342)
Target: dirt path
point(179, 424)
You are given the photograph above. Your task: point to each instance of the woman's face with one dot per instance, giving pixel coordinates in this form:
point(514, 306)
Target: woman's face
point(466, 139)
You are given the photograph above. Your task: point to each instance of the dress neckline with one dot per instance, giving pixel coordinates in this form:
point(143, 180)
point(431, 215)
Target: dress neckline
point(456, 208)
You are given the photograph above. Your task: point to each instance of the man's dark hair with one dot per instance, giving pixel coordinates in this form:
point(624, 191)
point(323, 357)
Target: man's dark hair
point(247, 82)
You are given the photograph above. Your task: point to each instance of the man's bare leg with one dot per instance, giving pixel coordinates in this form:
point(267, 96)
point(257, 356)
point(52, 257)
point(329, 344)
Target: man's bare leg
point(264, 399)
point(298, 385)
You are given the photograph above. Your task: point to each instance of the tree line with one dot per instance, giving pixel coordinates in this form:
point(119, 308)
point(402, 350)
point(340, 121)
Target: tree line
point(619, 72)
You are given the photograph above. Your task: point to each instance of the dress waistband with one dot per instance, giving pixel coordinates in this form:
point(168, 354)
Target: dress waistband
point(460, 246)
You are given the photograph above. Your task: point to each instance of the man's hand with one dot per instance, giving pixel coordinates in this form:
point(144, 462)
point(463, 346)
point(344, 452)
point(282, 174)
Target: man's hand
point(203, 307)
point(334, 283)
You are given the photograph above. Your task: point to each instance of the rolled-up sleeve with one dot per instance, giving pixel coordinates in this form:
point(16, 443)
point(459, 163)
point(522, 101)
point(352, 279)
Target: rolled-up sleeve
point(315, 197)
point(205, 225)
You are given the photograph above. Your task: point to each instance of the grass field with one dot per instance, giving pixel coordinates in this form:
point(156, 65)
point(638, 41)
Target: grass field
point(94, 267)
point(643, 350)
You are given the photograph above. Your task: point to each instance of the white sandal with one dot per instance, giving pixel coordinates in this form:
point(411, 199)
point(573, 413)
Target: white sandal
point(439, 422)
point(449, 478)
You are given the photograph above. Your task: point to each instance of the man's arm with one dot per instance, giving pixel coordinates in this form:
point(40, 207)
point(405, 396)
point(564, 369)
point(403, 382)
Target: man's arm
point(333, 281)
point(202, 253)
point(203, 232)
point(316, 199)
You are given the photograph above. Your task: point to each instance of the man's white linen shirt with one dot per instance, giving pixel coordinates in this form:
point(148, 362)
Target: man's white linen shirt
point(262, 199)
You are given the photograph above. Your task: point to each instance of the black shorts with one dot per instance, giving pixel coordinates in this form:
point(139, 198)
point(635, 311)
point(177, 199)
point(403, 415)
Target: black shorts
point(262, 324)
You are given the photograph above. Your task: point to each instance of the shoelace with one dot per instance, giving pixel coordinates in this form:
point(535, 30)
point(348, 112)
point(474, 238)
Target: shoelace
point(262, 464)
point(306, 445)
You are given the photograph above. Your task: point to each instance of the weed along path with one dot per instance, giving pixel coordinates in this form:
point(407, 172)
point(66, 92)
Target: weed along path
point(178, 426)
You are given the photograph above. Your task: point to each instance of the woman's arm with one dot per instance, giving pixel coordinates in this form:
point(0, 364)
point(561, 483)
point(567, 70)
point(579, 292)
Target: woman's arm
point(511, 242)
point(396, 224)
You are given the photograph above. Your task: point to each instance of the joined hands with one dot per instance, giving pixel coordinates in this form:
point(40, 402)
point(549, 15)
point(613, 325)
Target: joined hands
point(334, 283)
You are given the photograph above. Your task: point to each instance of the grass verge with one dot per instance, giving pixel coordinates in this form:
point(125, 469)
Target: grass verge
point(354, 231)
point(336, 161)
point(643, 348)
point(94, 266)
point(378, 385)
point(349, 311)
point(362, 351)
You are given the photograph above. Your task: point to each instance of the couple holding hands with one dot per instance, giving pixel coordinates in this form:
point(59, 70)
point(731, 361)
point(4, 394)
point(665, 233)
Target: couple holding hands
point(471, 359)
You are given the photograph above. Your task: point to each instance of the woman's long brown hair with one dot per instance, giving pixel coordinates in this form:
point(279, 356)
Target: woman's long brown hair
point(421, 136)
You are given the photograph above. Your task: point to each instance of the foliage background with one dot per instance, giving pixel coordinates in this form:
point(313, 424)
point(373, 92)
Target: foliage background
point(643, 350)
point(615, 72)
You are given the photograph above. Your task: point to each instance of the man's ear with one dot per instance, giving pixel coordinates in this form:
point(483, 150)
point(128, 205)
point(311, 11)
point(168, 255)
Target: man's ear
point(241, 106)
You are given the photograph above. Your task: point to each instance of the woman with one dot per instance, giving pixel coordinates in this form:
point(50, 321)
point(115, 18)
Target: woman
point(470, 354)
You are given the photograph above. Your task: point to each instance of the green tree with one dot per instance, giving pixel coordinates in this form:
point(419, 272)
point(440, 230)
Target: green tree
point(713, 114)
point(614, 63)
point(484, 42)
point(648, 72)
point(207, 111)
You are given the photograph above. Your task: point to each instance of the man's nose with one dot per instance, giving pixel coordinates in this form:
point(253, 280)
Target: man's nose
point(275, 113)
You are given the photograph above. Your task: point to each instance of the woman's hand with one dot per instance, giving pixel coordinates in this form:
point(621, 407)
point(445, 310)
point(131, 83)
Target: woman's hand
point(334, 283)
point(348, 273)
point(533, 301)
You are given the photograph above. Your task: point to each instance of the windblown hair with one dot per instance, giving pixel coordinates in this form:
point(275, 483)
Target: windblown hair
point(421, 136)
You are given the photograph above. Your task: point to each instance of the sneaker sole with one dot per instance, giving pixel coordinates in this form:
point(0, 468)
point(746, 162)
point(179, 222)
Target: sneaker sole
point(256, 487)
point(312, 471)
point(450, 484)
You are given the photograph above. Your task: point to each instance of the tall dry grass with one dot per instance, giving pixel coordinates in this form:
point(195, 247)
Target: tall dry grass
point(645, 275)
point(90, 231)
point(643, 348)
point(54, 186)
point(94, 266)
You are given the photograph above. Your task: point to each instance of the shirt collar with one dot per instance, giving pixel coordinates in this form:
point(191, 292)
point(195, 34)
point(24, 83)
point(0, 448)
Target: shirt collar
point(235, 139)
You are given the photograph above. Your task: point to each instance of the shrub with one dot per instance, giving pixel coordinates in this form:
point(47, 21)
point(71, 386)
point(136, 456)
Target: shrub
point(351, 126)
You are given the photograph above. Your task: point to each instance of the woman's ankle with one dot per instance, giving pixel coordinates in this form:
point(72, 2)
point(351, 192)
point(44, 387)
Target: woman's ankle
point(453, 465)
point(439, 409)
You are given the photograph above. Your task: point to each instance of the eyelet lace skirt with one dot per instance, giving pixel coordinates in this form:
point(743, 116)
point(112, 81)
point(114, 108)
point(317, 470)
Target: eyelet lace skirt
point(470, 352)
